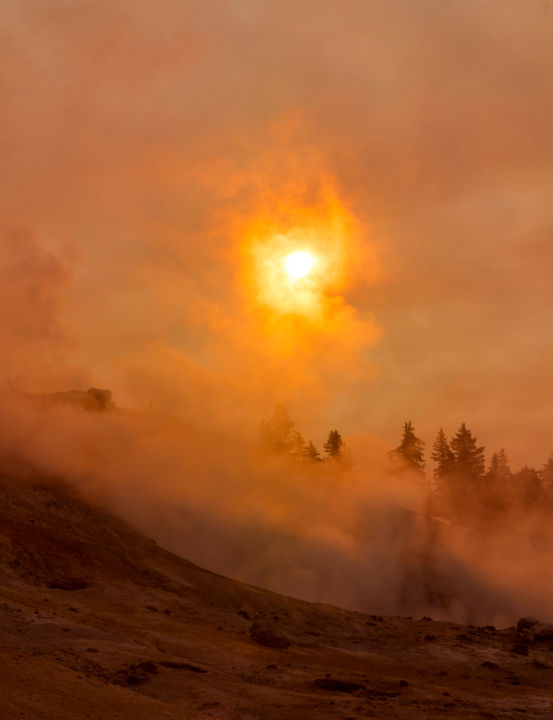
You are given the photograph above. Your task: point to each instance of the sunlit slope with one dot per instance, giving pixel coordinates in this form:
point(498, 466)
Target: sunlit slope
point(98, 621)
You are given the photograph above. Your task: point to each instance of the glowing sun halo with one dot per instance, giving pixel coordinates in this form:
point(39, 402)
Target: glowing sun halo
point(299, 264)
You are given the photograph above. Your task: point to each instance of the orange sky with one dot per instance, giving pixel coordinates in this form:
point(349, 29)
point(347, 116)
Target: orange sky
point(146, 146)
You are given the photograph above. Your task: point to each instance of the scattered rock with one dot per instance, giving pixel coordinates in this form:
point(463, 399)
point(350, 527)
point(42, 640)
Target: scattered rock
point(542, 632)
point(426, 619)
point(381, 694)
point(526, 623)
point(93, 400)
point(266, 635)
point(526, 636)
point(520, 648)
point(182, 666)
point(247, 612)
point(337, 685)
point(490, 665)
point(68, 584)
point(132, 675)
point(404, 683)
point(147, 666)
point(430, 638)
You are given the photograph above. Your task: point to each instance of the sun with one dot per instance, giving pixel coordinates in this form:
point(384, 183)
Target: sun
point(296, 260)
point(299, 264)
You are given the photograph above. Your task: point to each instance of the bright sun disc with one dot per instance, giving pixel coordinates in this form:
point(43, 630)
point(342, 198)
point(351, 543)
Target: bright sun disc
point(299, 264)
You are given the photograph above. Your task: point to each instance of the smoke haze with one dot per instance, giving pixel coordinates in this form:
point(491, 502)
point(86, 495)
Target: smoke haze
point(155, 161)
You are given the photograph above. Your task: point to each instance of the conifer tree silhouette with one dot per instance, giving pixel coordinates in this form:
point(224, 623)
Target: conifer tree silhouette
point(409, 455)
point(334, 444)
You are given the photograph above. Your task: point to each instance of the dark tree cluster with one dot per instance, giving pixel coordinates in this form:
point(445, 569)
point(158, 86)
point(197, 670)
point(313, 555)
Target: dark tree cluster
point(277, 435)
point(464, 487)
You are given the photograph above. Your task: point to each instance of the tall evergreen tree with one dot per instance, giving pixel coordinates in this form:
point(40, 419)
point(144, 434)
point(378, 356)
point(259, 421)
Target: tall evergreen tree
point(334, 445)
point(468, 456)
point(528, 486)
point(547, 474)
point(410, 453)
point(310, 453)
point(297, 445)
point(495, 495)
point(499, 473)
point(461, 489)
point(276, 433)
point(442, 456)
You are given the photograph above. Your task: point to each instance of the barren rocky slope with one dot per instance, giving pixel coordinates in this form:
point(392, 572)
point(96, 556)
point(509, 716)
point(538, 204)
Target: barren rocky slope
point(99, 622)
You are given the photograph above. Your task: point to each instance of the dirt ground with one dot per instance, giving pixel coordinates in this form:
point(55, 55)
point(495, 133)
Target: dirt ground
point(99, 622)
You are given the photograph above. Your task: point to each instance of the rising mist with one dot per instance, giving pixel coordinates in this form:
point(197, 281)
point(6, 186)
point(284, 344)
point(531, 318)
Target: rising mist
point(157, 165)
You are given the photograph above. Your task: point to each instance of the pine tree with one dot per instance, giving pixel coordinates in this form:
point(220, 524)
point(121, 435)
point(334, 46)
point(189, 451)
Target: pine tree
point(410, 453)
point(310, 453)
point(547, 474)
point(529, 488)
point(495, 493)
point(297, 445)
point(334, 444)
point(442, 456)
point(468, 456)
point(499, 473)
point(275, 434)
